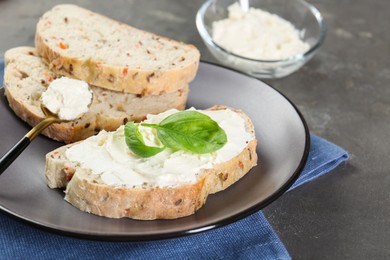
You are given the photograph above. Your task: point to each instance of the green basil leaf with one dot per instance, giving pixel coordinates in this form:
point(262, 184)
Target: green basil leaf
point(192, 131)
point(135, 142)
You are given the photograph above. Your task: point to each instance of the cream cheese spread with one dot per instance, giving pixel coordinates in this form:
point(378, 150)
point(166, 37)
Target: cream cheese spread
point(257, 34)
point(108, 156)
point(67, 98)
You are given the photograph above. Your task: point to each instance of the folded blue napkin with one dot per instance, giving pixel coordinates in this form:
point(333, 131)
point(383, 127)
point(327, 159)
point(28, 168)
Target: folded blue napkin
point(249, 238)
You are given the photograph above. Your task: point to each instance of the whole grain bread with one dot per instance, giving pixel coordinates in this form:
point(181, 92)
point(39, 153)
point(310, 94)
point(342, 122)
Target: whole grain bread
point(26, 76)
point(85, 45)
point(87, 192)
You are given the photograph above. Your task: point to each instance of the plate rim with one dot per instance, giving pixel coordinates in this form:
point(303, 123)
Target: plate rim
point(191, 231)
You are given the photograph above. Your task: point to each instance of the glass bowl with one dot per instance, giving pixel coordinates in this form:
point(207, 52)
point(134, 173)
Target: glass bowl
point(305, 17)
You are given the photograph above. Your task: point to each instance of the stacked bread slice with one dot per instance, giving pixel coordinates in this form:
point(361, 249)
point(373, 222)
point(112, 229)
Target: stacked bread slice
point(131, 72)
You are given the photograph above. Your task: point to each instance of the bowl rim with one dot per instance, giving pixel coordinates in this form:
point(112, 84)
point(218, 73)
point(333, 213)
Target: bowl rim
point(207, 37)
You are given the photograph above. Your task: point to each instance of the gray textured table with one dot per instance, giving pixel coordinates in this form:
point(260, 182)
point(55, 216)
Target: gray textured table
point(343, 93)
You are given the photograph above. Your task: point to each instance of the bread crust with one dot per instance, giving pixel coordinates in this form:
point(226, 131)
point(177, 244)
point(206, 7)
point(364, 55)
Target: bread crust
point(152, 81)
point(27, 76)
point(146, 203)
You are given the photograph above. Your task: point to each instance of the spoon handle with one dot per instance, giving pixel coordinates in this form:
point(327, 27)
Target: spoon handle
point(13, 153)
point(19, 147)
point(244, 4)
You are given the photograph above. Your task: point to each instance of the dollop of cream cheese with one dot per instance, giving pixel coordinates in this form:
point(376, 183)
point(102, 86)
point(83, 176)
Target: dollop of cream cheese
point(67, 98)
point(257, 34)
point(108, 156)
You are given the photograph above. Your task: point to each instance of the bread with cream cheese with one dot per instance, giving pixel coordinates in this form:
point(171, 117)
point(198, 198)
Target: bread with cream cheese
point(112, 55)
point(87, 191)
point(26, 77)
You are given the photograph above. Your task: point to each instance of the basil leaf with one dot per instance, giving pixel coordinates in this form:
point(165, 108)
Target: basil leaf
point(191, 131)
point(135, 142)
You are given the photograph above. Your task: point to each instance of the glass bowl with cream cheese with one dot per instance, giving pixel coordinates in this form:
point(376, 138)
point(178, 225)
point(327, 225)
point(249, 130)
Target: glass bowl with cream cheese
point(271, 39)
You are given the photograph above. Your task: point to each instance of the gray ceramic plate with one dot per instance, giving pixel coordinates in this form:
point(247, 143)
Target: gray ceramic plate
point(283, 148)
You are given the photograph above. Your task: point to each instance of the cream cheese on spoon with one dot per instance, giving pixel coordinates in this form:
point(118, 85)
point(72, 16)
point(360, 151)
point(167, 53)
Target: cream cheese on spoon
point(67, 98)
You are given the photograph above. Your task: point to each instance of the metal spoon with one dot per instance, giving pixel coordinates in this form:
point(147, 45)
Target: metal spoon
point(19, 147)
point(244, 4)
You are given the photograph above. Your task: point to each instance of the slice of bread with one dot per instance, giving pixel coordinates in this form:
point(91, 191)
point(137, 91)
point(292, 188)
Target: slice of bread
point(26, 77)
point(81, 44)
point(88, 191)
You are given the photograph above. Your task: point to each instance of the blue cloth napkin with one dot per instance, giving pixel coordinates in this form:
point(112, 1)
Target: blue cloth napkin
point(249, 238)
